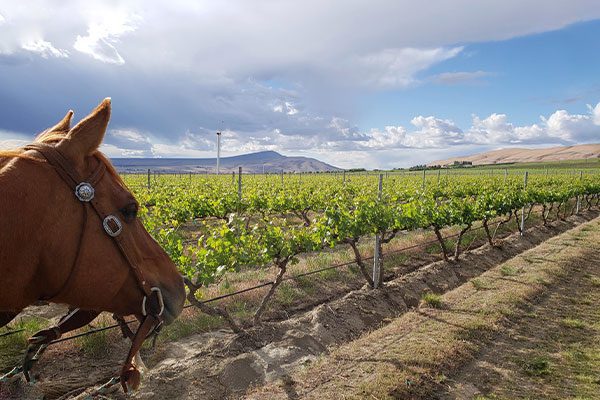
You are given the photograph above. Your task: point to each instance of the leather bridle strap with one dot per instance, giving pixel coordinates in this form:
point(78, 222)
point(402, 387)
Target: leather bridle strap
point(84, 191)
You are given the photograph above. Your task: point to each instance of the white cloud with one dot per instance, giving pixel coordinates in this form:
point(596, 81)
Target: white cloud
point(102, 35)
point(390, 137)
point(396, 68)
point(2, 19)
point(11, 140)
point(129, 139)
point(434, 132)
point(559, 127)
point(44, 49)
point(287, 107)
point(596, 113)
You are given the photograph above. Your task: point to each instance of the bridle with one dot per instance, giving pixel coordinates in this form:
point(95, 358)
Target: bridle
point(152, 306)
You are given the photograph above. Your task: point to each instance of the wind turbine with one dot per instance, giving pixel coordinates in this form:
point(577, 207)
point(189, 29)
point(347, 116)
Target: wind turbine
point(219, 147)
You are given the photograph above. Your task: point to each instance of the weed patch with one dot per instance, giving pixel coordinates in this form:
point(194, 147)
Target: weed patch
point(432, 300)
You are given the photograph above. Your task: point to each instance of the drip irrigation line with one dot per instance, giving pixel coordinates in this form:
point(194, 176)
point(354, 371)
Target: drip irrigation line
point(11, 332)
point(90, 332)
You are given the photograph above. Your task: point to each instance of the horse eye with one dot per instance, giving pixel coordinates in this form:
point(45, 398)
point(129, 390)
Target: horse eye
point(129, 212)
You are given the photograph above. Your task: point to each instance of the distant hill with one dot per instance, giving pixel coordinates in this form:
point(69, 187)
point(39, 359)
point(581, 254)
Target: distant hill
point(514, 155)
point(272, 162)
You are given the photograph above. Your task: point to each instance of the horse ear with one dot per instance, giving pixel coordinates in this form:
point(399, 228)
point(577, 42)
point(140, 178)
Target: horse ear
point(85, 137)
point(64, 124)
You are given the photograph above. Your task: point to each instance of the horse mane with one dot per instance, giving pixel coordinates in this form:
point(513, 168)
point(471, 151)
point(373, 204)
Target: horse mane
point(52, 137)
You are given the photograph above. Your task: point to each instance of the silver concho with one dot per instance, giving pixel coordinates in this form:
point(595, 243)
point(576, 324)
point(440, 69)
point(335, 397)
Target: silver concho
point(84, 192)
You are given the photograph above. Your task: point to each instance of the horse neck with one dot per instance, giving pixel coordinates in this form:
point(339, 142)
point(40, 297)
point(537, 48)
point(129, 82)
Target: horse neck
point(28, 203)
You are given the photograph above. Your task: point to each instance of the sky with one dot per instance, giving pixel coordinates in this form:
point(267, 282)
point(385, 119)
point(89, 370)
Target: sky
point(373, 84)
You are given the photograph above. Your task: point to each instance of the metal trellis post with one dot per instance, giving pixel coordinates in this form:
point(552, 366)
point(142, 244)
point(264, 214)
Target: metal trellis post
point(578, 196)
point(377, 253)
point(523, 211)
point(240, 184)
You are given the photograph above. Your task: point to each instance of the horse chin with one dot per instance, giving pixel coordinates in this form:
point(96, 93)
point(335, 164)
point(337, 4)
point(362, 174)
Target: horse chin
point(168, 317)
point(172, 308)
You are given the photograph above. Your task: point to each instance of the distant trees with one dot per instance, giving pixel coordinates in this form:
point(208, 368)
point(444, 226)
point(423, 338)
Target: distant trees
point(460, 164)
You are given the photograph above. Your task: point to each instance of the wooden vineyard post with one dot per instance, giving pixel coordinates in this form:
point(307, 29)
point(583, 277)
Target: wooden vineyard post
point(282, 177)
point(439, 172)
point(505, 174)
point(423, 186)
point(148, 178)
point(523, 211)
point(377, 273)
point(233, 177)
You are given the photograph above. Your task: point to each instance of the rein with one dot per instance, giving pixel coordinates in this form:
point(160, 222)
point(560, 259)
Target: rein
point(152, 306)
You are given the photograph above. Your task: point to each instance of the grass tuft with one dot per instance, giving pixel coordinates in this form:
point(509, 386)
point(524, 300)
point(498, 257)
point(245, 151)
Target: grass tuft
point(12, 347)
point(573, 323)
point(537, 366)
point(184, 327)
point(508, 270)
point(480, 284)
point(432, 300)
point(96, 345)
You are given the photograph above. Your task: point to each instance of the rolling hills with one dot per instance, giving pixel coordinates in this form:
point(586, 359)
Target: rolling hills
point(264, 161)
point(518, 155)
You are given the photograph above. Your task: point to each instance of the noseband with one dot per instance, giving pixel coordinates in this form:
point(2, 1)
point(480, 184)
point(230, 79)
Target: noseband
point(152, 307)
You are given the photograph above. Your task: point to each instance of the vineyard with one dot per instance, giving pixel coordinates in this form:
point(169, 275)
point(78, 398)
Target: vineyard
point(213, 226)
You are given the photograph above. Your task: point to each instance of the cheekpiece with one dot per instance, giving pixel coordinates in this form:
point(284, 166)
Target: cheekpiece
point(84, 192)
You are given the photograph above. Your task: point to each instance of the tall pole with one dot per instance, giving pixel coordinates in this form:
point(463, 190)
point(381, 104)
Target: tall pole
point(218, 152)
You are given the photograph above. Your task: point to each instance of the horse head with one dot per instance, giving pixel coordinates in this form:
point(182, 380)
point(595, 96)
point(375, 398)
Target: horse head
point(70, 234)
point(72, 256)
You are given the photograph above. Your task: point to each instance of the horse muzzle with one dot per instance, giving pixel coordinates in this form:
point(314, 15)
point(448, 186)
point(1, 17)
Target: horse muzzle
point(173, 303)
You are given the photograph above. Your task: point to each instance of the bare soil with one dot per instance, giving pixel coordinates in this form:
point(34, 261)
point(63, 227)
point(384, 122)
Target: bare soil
point(528, 328)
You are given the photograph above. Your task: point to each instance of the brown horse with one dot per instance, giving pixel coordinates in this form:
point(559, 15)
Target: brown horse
point(69, 233)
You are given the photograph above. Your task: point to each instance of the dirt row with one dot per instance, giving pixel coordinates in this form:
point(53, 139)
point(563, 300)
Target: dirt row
point(528, 328)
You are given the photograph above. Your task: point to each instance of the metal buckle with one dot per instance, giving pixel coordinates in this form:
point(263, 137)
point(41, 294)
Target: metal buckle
point(161, 302)
point(84, 192)
point(107, 227)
